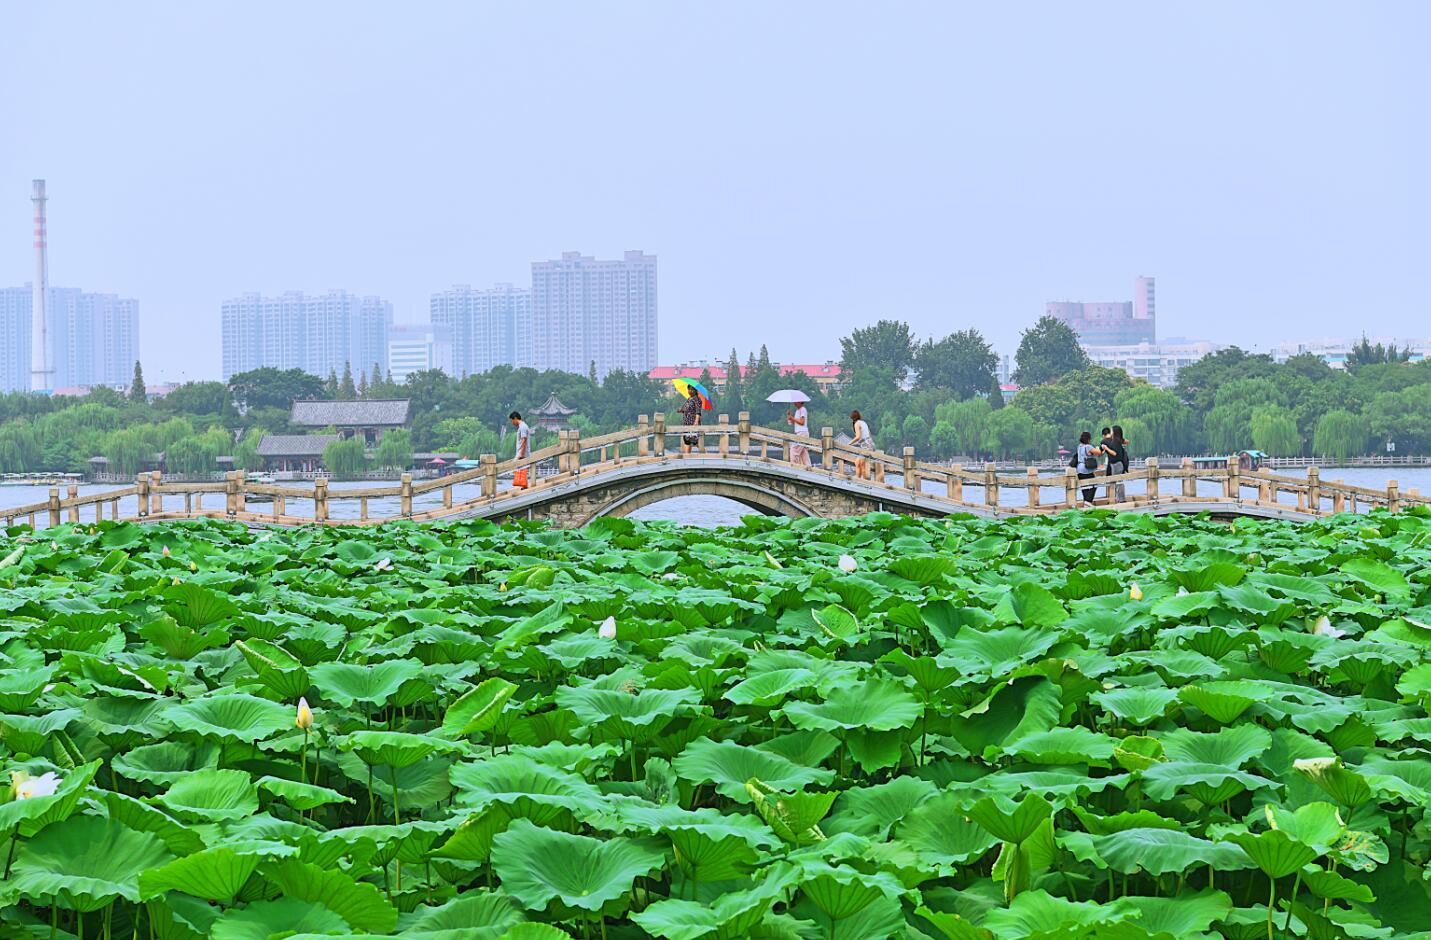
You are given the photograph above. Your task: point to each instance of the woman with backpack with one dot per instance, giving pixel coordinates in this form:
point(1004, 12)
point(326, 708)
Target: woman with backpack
point(1116, 447)
point(1085, 460)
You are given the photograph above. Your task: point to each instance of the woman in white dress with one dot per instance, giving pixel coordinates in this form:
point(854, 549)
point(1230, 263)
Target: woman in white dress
point(799, 422)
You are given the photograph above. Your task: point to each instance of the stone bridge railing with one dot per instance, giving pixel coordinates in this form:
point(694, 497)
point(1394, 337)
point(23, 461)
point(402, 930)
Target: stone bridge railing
point(575, 460)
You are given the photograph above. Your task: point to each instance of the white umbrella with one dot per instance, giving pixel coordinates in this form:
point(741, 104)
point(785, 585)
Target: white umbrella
point(788, 396)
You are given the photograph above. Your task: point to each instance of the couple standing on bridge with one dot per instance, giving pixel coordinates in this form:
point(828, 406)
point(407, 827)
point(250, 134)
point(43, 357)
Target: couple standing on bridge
point(1089, 456)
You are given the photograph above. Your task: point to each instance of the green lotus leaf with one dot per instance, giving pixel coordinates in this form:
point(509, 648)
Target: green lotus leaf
point(1347, 787)
point(795, 817)
point(1223, 702)
point(1210, 783)
point(1182, 606)
point(361, 905)
point(142, 817)
point(851, 903)
point(283, 917)
point(1335, 887)
point(1009, 821)
point(732, 914)
point(1160, 851)
point(836, 622)
point(768, 688)
point(1075, 745)
point(941, 837)
point(1315, 824)
point(507, 778)
point(1037, 913)
point(1138, 752)
point(476, 915)
point(301, 796)
point(212, 795)
point(478, 709)
point(195, 606)
point(1030, 605)
point(876, 705)
point(234, 716)
point(1231, 747)
point(1138, 706)
point(1186, 915)
point(636, 717)
point(873, 810)
point(277, 668)
point(997, 651)
point(86, 862)
point(214, 874)
point(537, 866)
point(729, 765)
point(374, 684)
point(165, 761)
point(1275, 852)
point(394, 748)
point(551, 619)
point(1377, 575)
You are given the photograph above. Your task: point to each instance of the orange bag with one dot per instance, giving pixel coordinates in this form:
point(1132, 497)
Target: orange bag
point(519, 478)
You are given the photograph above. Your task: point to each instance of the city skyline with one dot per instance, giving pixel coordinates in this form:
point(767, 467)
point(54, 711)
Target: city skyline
point(950, 166)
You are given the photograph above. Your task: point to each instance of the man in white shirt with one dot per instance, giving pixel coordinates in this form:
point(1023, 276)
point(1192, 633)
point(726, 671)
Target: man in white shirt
point(524, 447)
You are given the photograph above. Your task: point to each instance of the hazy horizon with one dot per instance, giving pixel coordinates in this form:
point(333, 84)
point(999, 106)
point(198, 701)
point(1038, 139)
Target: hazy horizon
point(799, 169)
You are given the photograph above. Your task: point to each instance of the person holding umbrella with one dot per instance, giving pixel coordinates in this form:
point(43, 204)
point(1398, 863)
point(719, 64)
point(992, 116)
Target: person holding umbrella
point(697, 400)
point(799, 421)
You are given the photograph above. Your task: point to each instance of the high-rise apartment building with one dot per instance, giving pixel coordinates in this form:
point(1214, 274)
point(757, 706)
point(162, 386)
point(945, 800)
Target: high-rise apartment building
point(485, 328)
point(318, 333)
point(586, 311)
point(1116, 323)
point(418, 348)
point(93, 338)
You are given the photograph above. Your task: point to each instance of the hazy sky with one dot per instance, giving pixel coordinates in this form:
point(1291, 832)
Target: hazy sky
point(799, 168)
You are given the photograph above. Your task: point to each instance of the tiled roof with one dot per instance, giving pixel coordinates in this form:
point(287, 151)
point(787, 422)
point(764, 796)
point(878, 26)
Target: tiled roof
point(376, 413)
point(295, 445)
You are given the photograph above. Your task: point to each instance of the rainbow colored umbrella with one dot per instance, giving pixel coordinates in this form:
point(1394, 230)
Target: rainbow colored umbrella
point(690, 387)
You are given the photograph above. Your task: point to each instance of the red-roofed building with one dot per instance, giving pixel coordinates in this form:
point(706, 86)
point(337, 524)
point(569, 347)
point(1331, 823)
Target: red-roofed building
point(826, 374)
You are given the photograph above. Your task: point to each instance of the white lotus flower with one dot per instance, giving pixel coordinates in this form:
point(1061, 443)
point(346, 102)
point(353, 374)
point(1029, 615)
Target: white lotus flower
point(848, 564)
point(383, 564)
point(166, 551)
point(1323, 627)
point(1135, 592)
point(670, 576)
point(304, 717)
point(27, 787)
point(607, 630)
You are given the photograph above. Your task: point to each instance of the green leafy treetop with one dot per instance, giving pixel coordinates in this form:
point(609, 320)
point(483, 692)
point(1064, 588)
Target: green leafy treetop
point(136, 388)
point(961, 362)
point(1047, 352)
point(346, 390)
point(996, 393)
point(889, 343)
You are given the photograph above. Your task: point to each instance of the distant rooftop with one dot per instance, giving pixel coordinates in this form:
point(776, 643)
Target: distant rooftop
point(295, 445)
point(373, 413)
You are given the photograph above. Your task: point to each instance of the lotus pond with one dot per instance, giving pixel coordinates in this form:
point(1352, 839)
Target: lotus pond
point(1084, 726)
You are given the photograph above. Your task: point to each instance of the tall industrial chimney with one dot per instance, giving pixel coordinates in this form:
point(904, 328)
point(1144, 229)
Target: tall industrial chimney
point(42, 363)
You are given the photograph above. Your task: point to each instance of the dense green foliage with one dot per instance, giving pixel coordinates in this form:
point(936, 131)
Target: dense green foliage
point(1084, 726)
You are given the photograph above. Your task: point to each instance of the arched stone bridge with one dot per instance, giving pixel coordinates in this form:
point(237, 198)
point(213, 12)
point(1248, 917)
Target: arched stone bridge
point(575, 481)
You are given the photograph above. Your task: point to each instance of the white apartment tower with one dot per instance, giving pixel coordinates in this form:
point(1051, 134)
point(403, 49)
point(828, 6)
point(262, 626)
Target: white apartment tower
point(587, 311)
point(485, 328)
point(316, 333)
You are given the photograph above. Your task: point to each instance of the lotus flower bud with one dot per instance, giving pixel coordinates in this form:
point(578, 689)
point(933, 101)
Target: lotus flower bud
point(166, 551)
point(304, 717)
point(193, 567)
point(1135, 592)
point(608, 629)
point(848, 563)
point(1323, 627)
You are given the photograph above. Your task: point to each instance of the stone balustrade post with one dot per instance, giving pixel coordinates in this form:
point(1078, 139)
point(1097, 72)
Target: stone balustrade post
point(1189, 482)
point(1393, 496)
point(658, 440)
point(954, 484)
point(241, 496)
point(1151, 469)
point(911, 476)
point(405, 495)
point(742, 428)
point(1232, 486)
point(54, 506)
point(320, 500)
point(643, 443)
point(827, 448)
point(991, 485)
point(74, 491)
point(1070, 486)
point(1034, 494)
point(1314, 490)
point(573, 448)
point(488, 465)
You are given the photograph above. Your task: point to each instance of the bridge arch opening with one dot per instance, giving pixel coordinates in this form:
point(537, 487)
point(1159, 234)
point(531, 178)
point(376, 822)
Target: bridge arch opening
point(731, 493)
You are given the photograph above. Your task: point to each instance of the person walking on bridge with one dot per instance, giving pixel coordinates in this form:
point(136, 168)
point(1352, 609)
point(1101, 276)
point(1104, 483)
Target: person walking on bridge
point(691, 416)
point(799, 422)
point(863, 440)
point(1117, 450)
point(524, 448)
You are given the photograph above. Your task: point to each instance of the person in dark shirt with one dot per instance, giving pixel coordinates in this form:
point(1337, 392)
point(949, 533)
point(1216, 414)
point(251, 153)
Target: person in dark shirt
point(1117, 450)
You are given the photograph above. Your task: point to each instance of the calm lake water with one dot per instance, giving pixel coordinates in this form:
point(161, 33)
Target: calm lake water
point(704, 511)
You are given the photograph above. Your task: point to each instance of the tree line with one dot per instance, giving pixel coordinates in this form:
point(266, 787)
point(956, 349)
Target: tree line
point(938, 395)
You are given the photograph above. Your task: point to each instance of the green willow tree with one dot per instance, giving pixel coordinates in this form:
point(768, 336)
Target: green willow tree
point(345, 459)
point(1340, 434)
point(1047, 352)
point(394, 451)
point(1274, 432)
